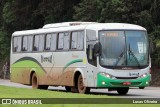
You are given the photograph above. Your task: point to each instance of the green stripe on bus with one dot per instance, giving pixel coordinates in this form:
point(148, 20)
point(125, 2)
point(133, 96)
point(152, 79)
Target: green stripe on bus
point(72, 62)
point(27, 64)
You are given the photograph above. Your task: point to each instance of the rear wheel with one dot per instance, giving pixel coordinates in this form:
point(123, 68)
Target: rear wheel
point(35, 83)
point(122, 91)
point(81, 88)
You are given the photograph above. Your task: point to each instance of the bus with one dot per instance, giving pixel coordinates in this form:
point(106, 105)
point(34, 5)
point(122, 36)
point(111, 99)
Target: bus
point(82, 55)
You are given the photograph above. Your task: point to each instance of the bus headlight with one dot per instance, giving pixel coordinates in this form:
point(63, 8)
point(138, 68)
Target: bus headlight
point(143, 75)
point(106, 75)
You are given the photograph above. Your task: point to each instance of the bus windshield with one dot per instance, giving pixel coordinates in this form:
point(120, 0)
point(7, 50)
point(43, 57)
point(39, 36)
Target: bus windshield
point(124, 49)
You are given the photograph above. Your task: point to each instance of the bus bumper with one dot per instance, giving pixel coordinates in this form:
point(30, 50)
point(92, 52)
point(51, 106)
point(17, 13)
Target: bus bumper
point(105, 82)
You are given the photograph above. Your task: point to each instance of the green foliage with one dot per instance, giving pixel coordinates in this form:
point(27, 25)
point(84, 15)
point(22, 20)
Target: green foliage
point(155, 36)
point(4, 47)
point(87, 10)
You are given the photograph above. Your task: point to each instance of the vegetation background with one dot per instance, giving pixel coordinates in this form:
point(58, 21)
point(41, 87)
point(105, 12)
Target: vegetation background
point(32, 14)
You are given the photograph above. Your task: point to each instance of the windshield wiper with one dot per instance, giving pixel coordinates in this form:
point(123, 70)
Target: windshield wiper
point(119, 58)
point(130, 51)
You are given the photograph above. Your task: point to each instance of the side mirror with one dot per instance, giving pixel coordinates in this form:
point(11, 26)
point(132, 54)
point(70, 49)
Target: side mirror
point(97, 48)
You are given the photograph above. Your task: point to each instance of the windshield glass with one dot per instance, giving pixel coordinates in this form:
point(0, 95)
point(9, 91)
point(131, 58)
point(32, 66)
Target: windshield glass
point(124, 48)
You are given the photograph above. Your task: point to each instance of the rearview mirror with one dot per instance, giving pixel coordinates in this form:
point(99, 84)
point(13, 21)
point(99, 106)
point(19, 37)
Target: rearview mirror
point(97, 48)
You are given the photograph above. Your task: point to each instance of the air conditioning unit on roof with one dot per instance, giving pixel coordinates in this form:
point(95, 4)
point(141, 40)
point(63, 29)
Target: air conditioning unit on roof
point(66, 24)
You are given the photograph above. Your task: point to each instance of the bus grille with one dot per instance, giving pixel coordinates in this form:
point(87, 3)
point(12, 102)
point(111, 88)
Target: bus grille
point(126, 77)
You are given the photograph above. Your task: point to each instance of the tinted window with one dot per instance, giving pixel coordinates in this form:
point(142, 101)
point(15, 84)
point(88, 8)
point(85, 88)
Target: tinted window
point(51, 42)
point(48, 41)
point(24, 48)
point(60, 40)
point(77, 40)
point(36, 43)
point(66, 41)
point(17, 44)
point(30, 43)
point(41, 42)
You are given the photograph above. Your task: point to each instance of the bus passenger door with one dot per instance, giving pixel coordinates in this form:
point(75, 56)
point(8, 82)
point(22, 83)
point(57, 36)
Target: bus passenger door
point(92, 60)
point(91, 67)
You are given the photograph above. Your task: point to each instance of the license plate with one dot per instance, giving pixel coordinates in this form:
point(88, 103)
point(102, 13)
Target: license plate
point(126, 83)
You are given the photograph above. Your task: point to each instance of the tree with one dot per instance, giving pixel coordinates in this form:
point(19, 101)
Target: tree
point(87, 10)
point(155, 11)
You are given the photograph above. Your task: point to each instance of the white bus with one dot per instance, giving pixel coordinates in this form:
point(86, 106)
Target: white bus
point(81, 56)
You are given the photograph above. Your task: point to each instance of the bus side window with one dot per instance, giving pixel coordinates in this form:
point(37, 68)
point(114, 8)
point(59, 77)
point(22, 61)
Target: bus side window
point(41, 43)
point(60, 41)
point(80, 40)
point(15, 45)
point(66, 41)
point(24, 46)
point(77, 40)
point(74, 40)
point(30, 43)
point(53, 42)
point(48, 42)
point(19, 44)
point(36, 43)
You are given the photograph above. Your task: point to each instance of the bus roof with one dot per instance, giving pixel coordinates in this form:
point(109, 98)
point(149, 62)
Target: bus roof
point(69, 26)
point(66, 24)
point(115, 26)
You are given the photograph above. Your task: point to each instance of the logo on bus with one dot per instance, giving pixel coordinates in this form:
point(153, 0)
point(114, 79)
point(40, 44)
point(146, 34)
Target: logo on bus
point(46, 59)
point(134, 74)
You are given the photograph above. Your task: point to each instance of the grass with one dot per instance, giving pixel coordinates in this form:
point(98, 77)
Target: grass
point(12, 92)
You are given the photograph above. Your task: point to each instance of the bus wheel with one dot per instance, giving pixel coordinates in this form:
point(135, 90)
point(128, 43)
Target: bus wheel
point(122, 91)
point(34, 81)
point(68, 88)
point(81, 88)
point(141, 87)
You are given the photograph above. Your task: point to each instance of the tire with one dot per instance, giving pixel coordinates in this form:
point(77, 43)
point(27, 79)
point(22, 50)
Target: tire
point(122, 91)
point(35, 83)
point(68, 88)
point(81, 88)
point(141, 87)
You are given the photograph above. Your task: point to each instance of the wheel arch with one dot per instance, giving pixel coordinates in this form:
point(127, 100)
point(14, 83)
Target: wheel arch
point(31, 74)
point(77, 72)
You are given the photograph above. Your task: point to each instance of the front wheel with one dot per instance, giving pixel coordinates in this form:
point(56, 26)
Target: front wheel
point(141, 87)
point(123, 91)
point(81, 88)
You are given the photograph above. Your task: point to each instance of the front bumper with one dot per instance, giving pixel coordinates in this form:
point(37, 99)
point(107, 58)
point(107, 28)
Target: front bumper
point(103, 81)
